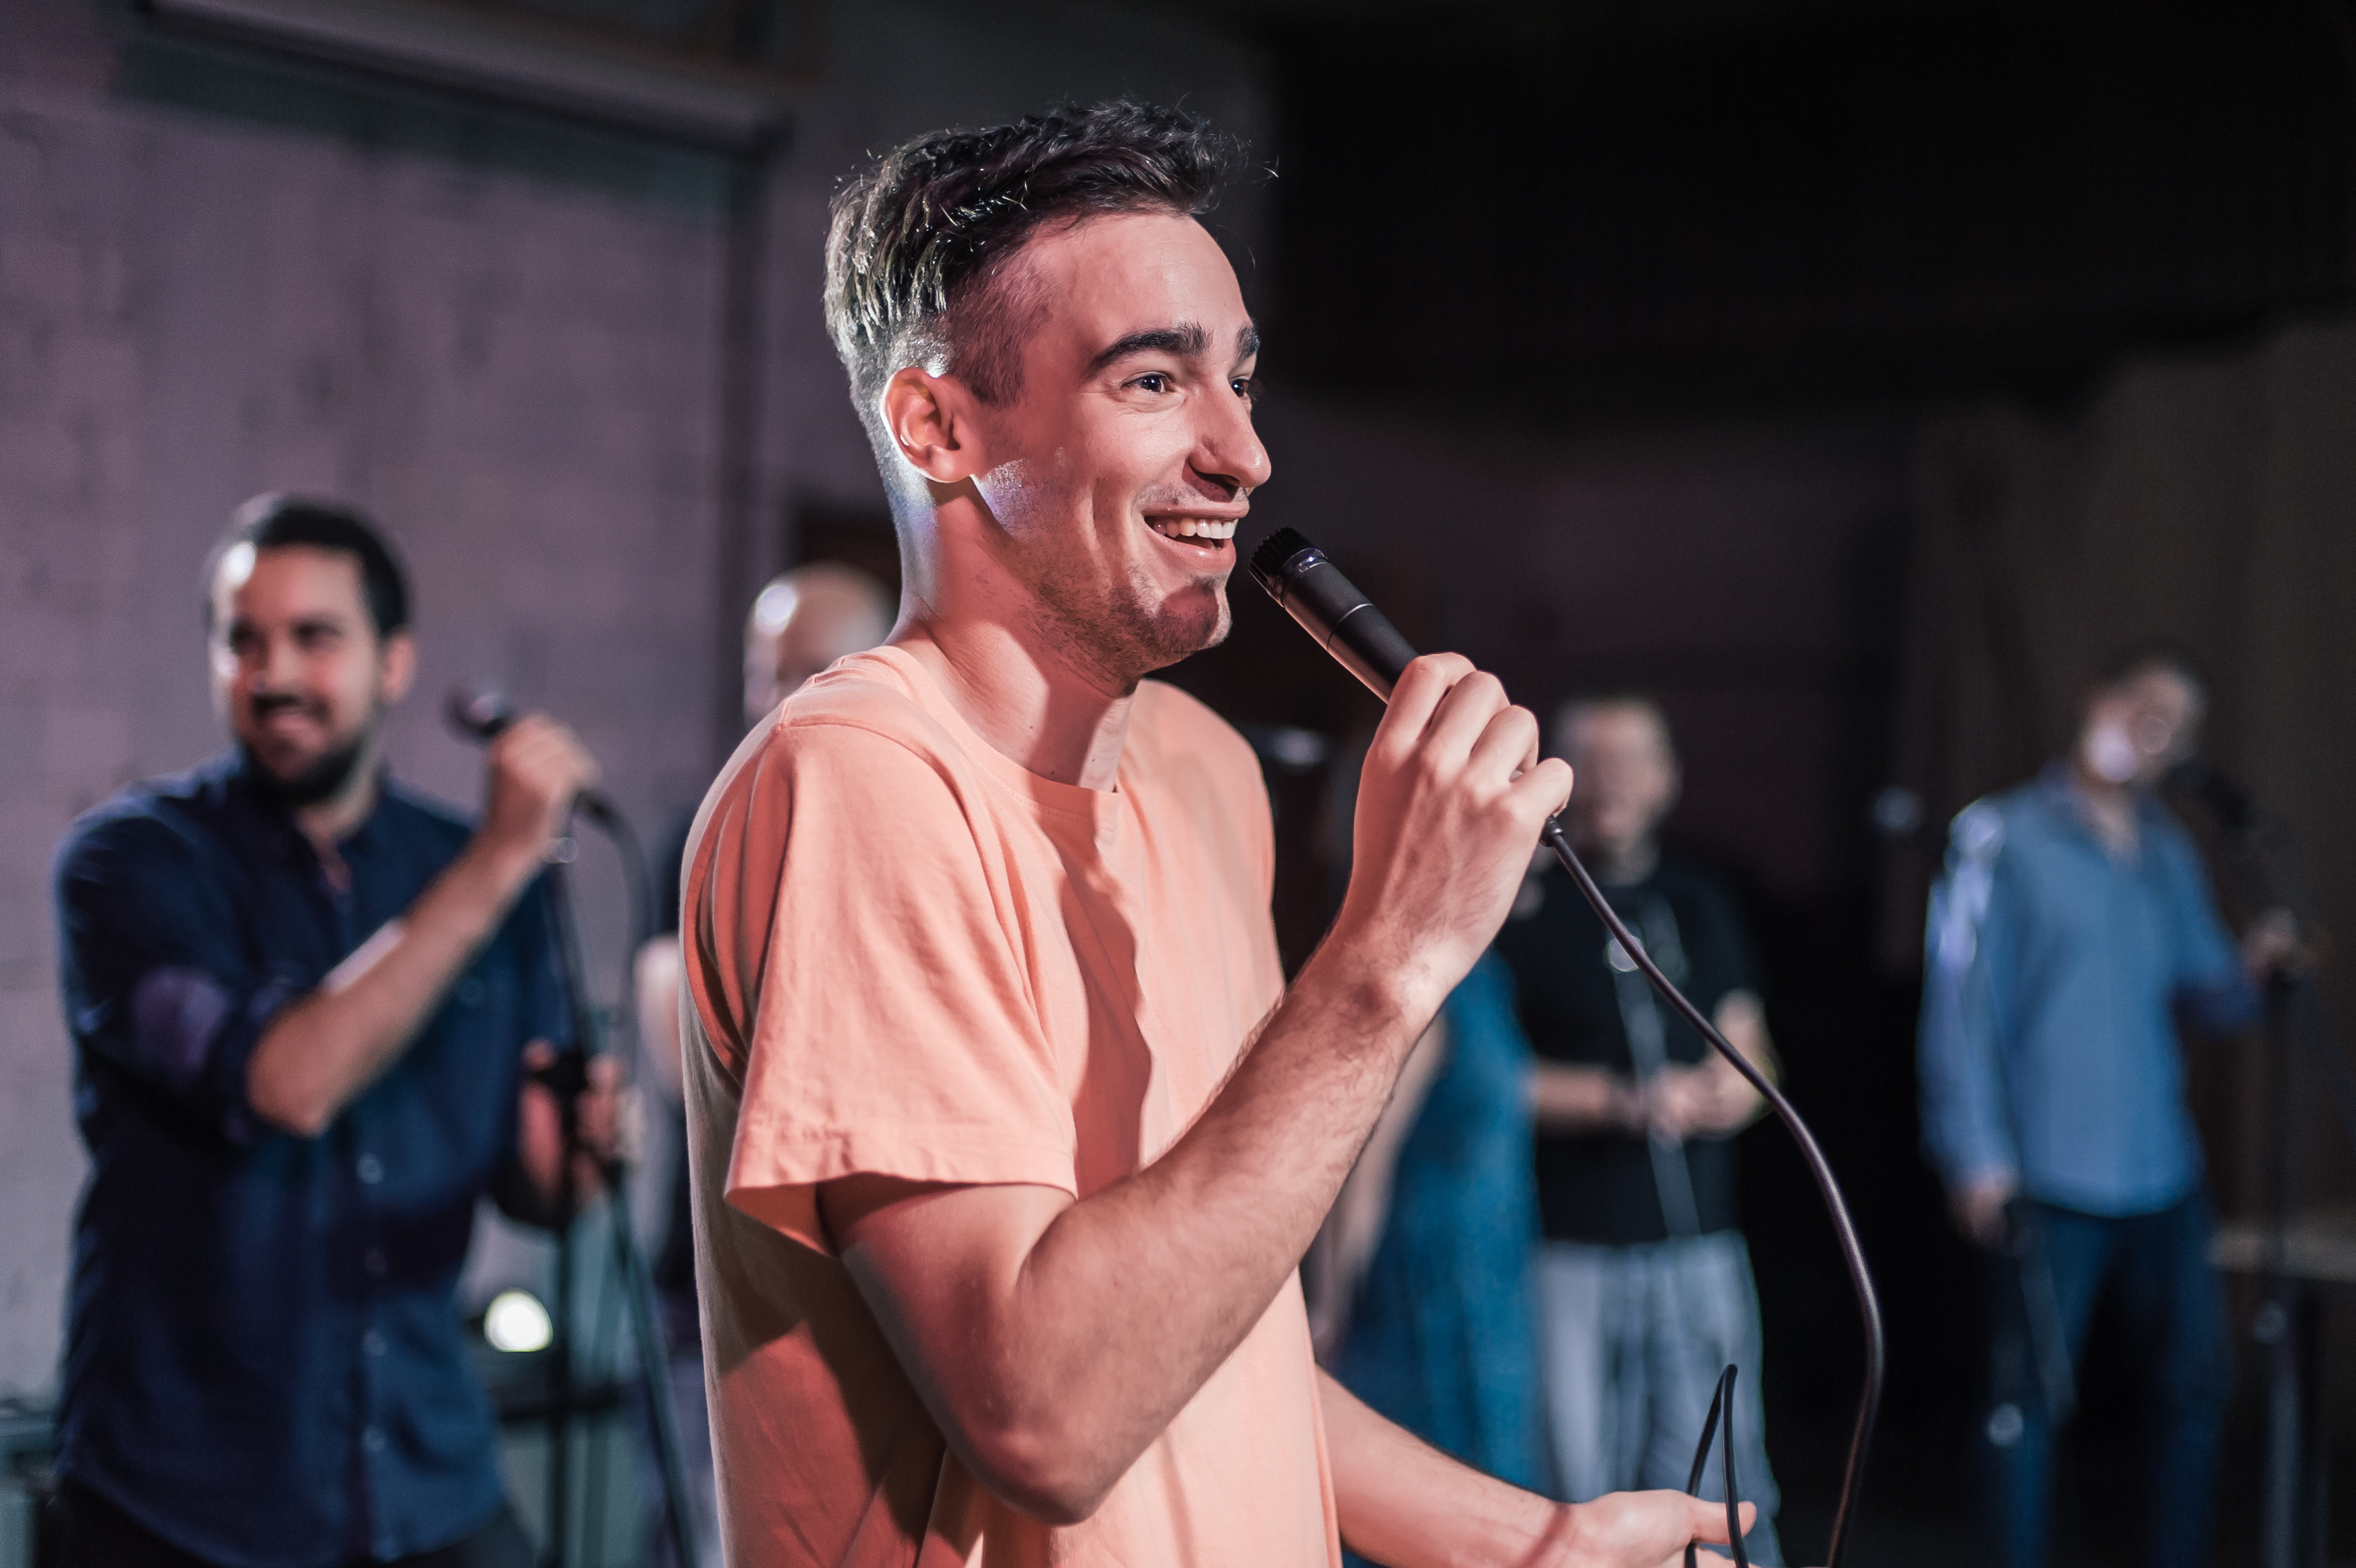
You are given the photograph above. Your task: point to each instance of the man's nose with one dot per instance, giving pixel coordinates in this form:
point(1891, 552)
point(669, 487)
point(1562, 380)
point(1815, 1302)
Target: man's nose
point(275, 667)
point(1228, 450)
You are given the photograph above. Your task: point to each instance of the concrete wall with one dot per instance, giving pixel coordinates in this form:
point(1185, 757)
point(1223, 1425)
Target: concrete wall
point(502, 335)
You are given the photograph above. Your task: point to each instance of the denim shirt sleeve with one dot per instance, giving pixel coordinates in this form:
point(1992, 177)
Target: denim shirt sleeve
point(2211, 990)
point(155, 979)
point(1966, 1132)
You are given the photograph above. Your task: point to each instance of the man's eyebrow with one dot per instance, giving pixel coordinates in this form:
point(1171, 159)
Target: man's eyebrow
point(1186, 340)
point(1247, 342)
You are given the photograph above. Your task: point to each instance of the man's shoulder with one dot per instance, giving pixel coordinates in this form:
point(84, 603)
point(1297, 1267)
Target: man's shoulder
point(2024, 813)
point(859, 705)
point(862, 723)
point(429, 816)
point(177, 808)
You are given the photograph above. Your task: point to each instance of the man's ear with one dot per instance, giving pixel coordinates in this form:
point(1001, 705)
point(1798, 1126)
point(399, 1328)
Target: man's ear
point(931, 420)
point(397, 666)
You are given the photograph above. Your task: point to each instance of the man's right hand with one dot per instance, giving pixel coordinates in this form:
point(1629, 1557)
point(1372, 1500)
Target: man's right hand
point(1452, 798)
point(1978, 1208)
point(329, 1045)
point(536, 769)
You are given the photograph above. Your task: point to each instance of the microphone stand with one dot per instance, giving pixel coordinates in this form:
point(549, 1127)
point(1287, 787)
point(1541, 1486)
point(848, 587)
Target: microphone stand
point(567, 1078)
point(2269, 872)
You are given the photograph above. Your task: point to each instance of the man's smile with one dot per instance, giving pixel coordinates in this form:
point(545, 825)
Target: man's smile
point(1197, 537)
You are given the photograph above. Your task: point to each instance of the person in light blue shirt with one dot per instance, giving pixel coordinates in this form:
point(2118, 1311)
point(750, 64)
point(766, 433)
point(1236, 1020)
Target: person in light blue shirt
point(2072, 935)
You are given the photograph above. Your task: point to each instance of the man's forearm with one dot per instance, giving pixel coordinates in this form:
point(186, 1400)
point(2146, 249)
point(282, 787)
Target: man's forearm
point(1581, 1099)
point(1405, 1504)
point(326, 1046)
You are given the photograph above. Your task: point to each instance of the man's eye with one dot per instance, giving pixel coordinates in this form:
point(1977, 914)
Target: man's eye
point(1152, 382)
point(1245, 387)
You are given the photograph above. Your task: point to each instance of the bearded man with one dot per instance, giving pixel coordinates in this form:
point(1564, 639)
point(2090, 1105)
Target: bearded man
point(304, 1003)
point(1006, 1132)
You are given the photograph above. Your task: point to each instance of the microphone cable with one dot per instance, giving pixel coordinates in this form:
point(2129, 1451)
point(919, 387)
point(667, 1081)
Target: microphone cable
point(1310, 589)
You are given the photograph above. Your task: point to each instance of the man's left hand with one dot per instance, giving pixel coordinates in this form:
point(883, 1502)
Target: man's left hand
point(1707, 1101)
point(1635, 1529)
point(539, 1130)
point(2271, 946)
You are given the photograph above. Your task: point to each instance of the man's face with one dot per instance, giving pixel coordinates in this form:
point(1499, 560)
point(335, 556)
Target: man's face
point(1117, 475)
point(1627, 774)
point(298, 671)
point(2133, 732)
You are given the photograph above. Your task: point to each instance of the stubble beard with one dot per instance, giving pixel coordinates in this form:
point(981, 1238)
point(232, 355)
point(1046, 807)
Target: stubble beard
point(1125, 635)
point(321, 778)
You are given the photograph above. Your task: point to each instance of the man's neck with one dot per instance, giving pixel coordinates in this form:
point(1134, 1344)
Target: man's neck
point(1031, 704)
point(326, 823)
point(2110, 807)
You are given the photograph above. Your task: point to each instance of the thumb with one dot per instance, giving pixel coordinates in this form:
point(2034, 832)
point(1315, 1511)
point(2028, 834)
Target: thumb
point(1709, 1521)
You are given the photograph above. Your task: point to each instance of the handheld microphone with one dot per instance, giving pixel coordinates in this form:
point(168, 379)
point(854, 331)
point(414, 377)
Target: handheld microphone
point(1344, 622)
point(1312, 590)
point(482, 717)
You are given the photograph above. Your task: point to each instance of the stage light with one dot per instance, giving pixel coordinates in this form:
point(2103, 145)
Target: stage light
point(517, 1322)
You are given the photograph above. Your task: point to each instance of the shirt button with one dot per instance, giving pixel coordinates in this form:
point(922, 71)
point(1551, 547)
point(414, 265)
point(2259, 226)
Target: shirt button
point(373, 1342)
point(373, 1440)
point(373, 1260)
point(470, 993)
point(371, 1169)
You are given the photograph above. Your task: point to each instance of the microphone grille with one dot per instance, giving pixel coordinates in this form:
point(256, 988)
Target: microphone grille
point(1267, 560)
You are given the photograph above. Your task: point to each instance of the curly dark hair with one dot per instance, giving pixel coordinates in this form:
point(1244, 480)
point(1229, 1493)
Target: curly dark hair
point(916, 259)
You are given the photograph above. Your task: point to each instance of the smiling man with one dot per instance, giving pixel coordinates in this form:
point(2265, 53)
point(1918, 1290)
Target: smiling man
point(302, 1001)
point(1007, 1134)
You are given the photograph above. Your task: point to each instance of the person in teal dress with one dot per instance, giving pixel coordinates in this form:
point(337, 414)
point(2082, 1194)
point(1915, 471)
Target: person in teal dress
point(1440, 1335)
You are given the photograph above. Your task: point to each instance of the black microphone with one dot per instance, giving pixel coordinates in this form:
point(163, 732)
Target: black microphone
point(1346, 623)
point(483, 716)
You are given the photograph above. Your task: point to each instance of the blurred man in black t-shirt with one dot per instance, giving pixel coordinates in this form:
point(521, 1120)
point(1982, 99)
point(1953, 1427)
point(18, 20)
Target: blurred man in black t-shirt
point(1643, 1285)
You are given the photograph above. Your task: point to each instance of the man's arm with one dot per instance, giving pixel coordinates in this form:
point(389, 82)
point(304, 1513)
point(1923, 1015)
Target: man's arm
point(1054, 1340)
point(1967, 1128)
point(1405, 1504)
point(1566, 1099)
point(1711, 1099)
point(323, 1049)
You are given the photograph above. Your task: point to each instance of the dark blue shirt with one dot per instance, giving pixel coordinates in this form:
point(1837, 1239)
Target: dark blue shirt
point(264, 1363)
point(2058, 971)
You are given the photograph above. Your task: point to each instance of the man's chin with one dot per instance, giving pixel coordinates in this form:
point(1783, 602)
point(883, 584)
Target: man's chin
point(1181, 635)
point(295, 777)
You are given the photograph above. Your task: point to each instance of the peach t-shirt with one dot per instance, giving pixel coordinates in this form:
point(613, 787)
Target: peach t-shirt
point(907, 955)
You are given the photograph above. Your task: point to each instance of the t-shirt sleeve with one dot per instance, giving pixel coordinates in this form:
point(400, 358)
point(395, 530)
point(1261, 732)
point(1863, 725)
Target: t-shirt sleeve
point(1733, 965)
point(156, 981)
point(894, 1029)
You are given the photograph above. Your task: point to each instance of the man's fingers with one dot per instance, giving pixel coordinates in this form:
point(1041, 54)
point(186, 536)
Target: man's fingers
point(1545, 787)
point(1709, 1521)
point(1426, 681)
point(1462, 716)
point(1507, 747)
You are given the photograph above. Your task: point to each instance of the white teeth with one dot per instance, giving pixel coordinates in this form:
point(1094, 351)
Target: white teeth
point(1196, 527)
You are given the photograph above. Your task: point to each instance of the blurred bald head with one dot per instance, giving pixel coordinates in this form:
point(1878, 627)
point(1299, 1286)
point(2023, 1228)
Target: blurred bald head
point(804, 621)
